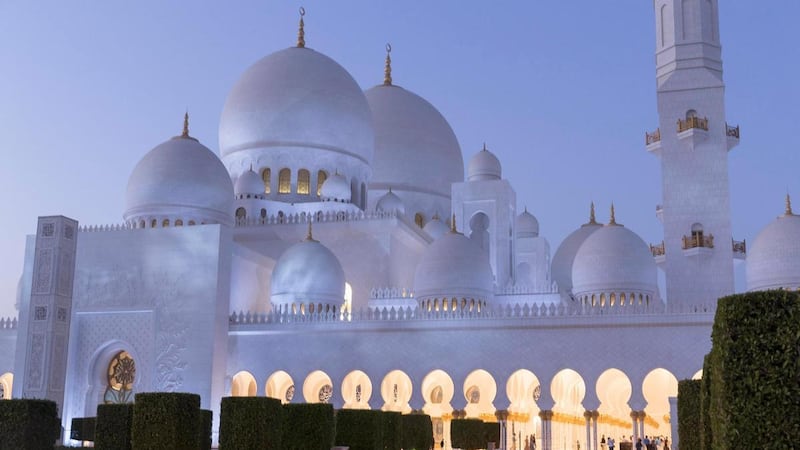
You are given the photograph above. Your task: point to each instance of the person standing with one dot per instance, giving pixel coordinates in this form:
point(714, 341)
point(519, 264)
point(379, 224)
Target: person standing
point(610, 443)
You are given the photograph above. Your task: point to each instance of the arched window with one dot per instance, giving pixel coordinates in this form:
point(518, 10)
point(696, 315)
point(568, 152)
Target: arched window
point(263, 213)
point(165, 223)
point(613, 300)
point(178, 223)
point(284, 181)
point(622, 299)
point(241, 213)
point(142, 224)
point(153, 223)
point(303, 181)
point(602, 300)
point(121, 375)
point(191, 222)
point(321, 177)
point(419, 220)
point(266, 176)
point(690, 114)
point(363, 195)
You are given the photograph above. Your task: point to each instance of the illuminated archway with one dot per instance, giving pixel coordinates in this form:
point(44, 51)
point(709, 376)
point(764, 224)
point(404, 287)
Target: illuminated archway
point(356, 390)
point(523, 390)
point(480, 390)
point(318, 388)
point(281, 386)
point(658, 386)
point(6, 384)
point(437, 391)
point(396, 389)
point(244, 385)
point(698, 375)
point(568, 390)
point(614, 390)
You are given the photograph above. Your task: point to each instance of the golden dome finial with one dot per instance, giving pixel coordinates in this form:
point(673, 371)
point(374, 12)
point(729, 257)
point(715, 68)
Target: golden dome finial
point(185, 133)
point(309, 235)
point(484, 146)
point(613, 219)
point(788, 211)
point(453, 224)
point(387, 67)
point(592, 219)
point(301, 33)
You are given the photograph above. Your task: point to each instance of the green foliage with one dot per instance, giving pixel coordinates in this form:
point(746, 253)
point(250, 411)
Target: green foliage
point(82, 428)
point(705, 405)
point(689, 417)
point(755, 371)
point(491, 433)
point(251, 423)
point(467, 434)
point(417, 431)
point(392, 430)
point(27, 424)
point(204, 430)
point(309, 426)
point(166, 420)
point(113, 427)
point(359, 429)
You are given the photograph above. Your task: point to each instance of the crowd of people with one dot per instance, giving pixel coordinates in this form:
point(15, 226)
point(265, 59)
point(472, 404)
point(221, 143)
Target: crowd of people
point(645, 443)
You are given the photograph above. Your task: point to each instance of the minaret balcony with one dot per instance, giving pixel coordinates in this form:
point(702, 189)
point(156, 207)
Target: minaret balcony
point(732, 134)
point(659, 252)
point(698, 244)
point(739, 249)
point(652, 141)
point(694, 129)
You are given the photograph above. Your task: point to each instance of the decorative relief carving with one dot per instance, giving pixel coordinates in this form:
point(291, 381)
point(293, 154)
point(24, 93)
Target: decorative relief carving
point(57, 370)
point(36, 362)
point(170, 338)
point(48, 229)
point(69, 231)
point(40, 313)
point(44, 272)
point(65, 273)
point(61, 314)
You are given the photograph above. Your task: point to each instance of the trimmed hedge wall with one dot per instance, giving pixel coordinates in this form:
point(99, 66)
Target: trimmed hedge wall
point(417, 431)
point(113, 427)
point(309, 426)
point(251, 423)
point(204, 430)
point(467, 434)
point(166, 420)
point(359, 429)
point(705, 405)
point(82, 428)
point(491, 433)
point(689, 415)
point(392, 430)
point(27, 424)
point(755, 371)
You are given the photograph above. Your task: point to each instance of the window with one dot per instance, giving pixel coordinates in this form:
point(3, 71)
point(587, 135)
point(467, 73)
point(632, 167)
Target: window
point(266, 176)
point(121, 375)
point(419, 220)
point(303, 181)
point(263, 213)
point(321, 177)
point(284, 181)
point(241, 213)
point(178, 223)
point(165, 223)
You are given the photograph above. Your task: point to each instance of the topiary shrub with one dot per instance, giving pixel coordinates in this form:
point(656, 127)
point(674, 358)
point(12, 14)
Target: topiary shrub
point(309, 426)
point(755, 371)
point(204, 430)
point(689, 417)
point(359, 429)
point(27, 424)
point(166, 420)
point(491, 433)
point(82, 428)
point(392, 431)
point(705, 405)
point(251, 423)
point(417, 431)
point(113, 427)
point(467, 434)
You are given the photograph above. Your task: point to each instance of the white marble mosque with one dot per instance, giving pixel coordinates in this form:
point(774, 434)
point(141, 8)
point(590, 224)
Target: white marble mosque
point(336, 252)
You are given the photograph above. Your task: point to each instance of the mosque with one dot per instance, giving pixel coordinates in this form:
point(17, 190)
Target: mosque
point(336, 252)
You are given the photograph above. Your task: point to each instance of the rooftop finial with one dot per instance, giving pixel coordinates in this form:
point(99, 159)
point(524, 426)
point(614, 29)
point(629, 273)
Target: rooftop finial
point(309, 236)
point(613, 219)
point(453, 224)
point(788, 211)
point(185, 133)
point(387, 67)
point(301, 34)
point(484, 146)
point(592, 220)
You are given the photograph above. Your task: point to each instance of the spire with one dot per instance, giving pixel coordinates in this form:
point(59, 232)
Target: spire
point(592, 220)
point(309, 235)
point(484, 147)
point(387, 67)
point(788, 211)
point(185, 133)
point(453, 224)
point(301, 34)
point(613, 219)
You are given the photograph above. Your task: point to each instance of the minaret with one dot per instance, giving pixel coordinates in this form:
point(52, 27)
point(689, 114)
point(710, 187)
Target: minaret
point(692, 142)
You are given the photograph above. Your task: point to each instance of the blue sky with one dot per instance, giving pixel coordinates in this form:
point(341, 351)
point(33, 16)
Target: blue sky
point(562, 92)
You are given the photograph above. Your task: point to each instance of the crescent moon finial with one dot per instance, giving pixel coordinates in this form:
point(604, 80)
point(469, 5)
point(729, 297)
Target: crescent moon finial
point(301, 33)
point(387, 67)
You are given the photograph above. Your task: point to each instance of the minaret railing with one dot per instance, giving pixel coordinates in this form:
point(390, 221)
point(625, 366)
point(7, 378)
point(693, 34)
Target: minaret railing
point(693, 123)
point(651, 138)
point(699, 240)
point(658, 249)
point(739, 246)
point(732, 131)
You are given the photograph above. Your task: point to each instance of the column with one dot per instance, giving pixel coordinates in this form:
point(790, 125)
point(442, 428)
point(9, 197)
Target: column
point(547, 439)
point(642, 415)
point(673, 423)
point(588, 416)
point(635, 425)
point(595, 440)
point(502, 418)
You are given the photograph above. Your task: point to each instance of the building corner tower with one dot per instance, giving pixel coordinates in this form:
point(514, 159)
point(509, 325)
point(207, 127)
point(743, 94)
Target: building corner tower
point(692, 142)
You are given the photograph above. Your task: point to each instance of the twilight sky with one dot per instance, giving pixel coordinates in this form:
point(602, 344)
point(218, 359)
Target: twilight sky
point(561, 91)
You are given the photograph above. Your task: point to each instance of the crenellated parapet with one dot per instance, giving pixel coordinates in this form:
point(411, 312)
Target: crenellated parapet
point(8, 323)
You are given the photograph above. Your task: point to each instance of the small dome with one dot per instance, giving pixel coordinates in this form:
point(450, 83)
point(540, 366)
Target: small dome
point(391, 202)
point(249, 183)
point(527, 225)
point(484, 166)
point(564, 257)
point(307, 273)
point(773, 260)
point(297, 99)
point(614, 259)
point(435, 227)
point(336, 189)
point(180, 178)
point(453, 266)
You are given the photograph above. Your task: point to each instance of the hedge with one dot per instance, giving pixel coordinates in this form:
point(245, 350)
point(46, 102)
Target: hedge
point(689, 416)
point(467, 434)
point(204, 429)
point(82, 428)
point(417, 431)
point(166, 420)
point(251, 423)
point(27, 424)
point(309, 426)
point(359, 429)
point(392, 430)
point(113, 427)
point(705, 405)
point(491, 433)
point(755, 371)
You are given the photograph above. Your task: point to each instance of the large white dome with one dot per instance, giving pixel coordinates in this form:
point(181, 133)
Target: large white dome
point(614, 259)
point(307, 273)
point(773, 260)
point(564, 256)
point(416, 152)
point(453, 266)
point(180, 179)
